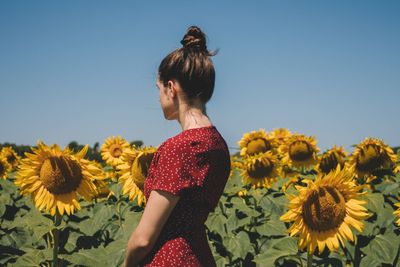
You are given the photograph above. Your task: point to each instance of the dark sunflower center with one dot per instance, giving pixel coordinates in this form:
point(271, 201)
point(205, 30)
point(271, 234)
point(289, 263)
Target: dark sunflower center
point(300, 151)
point(258, 145)
point(370, 158)
point(324, 209)
point(115, 150)
point(11, 159)
point(145, 162)
point(142, 164)
point(330, 161)
point(60, 175)
point(260, 169)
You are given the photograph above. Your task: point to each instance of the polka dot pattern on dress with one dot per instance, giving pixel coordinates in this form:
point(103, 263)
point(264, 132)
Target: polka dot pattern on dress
point(195, 165)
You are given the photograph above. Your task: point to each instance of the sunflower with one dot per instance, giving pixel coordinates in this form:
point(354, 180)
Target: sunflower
point(280, 134)
point(53, 177)
point(11, 156)
point(112, 150)
point(260, 170)
point(324, 210)
point(256, 142)
point(370, 155)
point(134, 170)
point(331, 158)
point(299, 151)
point(5, 168)
point(397, 213)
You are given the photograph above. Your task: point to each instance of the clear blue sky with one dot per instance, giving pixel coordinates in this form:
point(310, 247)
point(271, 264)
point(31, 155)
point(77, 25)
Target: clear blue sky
point(86, 70)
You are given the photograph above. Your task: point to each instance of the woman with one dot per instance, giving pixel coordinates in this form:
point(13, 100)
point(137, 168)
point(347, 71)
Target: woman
point(189, 171)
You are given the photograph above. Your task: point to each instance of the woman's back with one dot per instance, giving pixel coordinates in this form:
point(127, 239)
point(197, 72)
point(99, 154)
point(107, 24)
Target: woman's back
point(194, 165)
point(189, 171)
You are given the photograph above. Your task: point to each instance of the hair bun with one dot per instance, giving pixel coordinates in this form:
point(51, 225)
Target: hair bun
point(194, 38)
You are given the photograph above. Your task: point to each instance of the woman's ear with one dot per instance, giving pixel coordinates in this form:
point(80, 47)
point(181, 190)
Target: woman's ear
point(172, 88)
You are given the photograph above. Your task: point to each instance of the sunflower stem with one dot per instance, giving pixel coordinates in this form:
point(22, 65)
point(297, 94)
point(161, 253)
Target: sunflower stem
point(56, 235)
point(357, 254)
point(119, 213)
point(49, 237)
point(348, 255)
point(309, 259)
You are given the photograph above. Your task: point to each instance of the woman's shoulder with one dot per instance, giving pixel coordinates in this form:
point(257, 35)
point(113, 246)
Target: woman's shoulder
point(194, 139)
point(189, 135)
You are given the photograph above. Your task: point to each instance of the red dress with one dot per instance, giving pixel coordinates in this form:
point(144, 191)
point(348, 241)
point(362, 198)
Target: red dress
point(195, 165)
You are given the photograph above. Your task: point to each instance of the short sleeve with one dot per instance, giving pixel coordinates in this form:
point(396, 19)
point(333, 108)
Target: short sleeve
point(177, 166)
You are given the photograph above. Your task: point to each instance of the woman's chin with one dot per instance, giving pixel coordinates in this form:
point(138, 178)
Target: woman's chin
point(168, 117)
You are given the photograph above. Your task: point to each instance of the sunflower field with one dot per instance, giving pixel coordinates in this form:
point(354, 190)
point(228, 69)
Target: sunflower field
point(285, 204)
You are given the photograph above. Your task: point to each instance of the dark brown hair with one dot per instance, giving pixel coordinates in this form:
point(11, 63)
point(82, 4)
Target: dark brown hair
point(191, 66)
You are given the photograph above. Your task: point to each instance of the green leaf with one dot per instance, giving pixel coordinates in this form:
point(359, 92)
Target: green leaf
point(8, 187)
point(370, 261)
point(221, 261)
point(370, 229)
point(273, 205)
point(5, 199)
point(70, 245)
point(375, 202)
point(17, 238)
point(288, 244)
point(33, 258)
point(2, 208)
point(215, 223)
point(391, 189)
point(276, 249)
point(131, 221)
point(114, 231)
point(258, 194)
point(333, 259)
point(101, 216)
point(272, 227)
point(238, 245)
point(383, 247)
point(87, 257)
point(233, 223)
point(269, 257)
point(116, 188)
point(240, 204)
point(385, 217)
point(40, 231)
point(112, 255)
point(232, 189)
point(243, 222)
point(32, 219)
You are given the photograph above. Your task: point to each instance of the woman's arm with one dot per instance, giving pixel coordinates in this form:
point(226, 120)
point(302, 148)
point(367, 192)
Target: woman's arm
point(158, 208)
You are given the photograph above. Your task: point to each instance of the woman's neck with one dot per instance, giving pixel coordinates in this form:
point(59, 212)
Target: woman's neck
point(193, 116)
